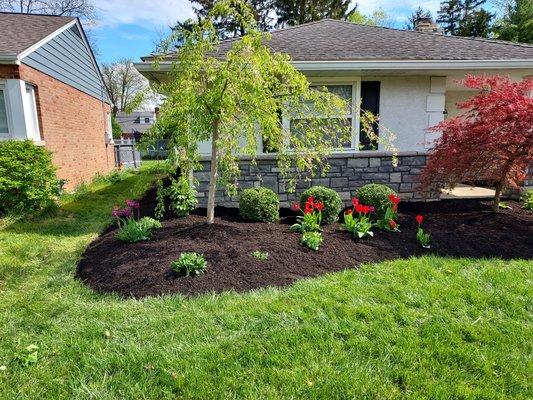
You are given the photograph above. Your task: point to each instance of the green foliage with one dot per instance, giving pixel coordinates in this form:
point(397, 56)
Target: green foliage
point(378, 17)
point(190, 264)
point(465, 18)
point(28, 179)
point(27, 356)
point(296, 12)
point(159, 211)
point(358, 225)
point(527, 198)
point(377, 195)
point(423, 238)
point(329, 197)
point(388, 223)
point(182, 196)
point(259, 205)
point(313, 240)
point(116, 128)
point(517, 22)
point(112, 177)
point(309, 222)
point(260, 255)
point(206, 93)
point(133, 230)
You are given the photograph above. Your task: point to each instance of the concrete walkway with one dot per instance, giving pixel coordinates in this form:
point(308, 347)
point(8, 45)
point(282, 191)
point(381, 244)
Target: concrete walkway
point(467, 192)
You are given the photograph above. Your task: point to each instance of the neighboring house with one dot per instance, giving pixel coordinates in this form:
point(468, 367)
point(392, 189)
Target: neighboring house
point(136, 123)
point(407, 77)
point(51, 92)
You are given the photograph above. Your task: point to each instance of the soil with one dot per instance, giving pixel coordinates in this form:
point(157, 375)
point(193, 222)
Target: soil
point(459, 228)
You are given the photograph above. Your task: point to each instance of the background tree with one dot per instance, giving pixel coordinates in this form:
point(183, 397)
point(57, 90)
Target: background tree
point(127, 88)
point(491, 141)
point(238, 101)
point(517, 22)
point(465, 18)
point(295, 12)
point(377, 18)
point(416, 16)
point(76, 8)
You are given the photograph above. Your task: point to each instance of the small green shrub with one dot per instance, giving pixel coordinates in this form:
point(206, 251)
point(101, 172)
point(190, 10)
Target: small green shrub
point(259, 205)
point(132, 231)
point(159, 211)
point(114, 176)
point(313, 240)
point(329, 197)
point(528, 200)
point(190, 264)
point(377, 195)
point(182, 196)
point(260, 255)
point(28, 179)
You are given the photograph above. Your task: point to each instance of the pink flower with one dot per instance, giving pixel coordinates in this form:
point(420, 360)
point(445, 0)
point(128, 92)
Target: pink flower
point(133, 204)
point(295, 206)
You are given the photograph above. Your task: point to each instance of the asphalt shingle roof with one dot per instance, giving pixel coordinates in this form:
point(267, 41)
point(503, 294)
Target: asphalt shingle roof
point(333, 40)
point(20, 31)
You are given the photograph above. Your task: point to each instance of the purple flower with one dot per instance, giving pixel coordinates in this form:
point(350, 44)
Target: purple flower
point(371, 208)
point(121, 212)
point(133, 204)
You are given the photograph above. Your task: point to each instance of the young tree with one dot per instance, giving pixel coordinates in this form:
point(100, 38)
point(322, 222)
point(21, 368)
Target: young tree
point(416, 16)
point(127, 88)
point(238, 99)
point(517, 22)
point(377, 18)
point(295, 12)
point(491, 141)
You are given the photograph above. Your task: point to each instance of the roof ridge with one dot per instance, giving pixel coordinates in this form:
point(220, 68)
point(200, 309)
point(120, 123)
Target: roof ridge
point(38, 14)
point(479, 39)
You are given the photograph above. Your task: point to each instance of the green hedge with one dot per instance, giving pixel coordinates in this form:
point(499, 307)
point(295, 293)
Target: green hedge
point(377, 195)
point(259, 205)
point(28, 180)
point(331, 199)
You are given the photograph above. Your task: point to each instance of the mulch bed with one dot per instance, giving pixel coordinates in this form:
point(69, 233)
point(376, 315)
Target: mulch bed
point(459, 228)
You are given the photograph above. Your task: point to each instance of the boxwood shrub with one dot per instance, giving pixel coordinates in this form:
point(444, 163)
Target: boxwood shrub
point(331, 199)
point(28, 179)
point(377, 195)
point(259, 205)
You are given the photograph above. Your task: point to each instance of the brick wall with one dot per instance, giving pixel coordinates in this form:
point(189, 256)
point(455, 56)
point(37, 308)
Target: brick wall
point(348, 172)
point(72, 126)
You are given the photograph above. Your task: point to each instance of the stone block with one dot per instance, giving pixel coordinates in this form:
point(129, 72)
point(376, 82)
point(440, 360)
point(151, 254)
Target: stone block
point(339, 182)
point(413, 160)
point(357, 162)
point(375, 162)
point(375, 176)
point(410, 178)
point(395, 177)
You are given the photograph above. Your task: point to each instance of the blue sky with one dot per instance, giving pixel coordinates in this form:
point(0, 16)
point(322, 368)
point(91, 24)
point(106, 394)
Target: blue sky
point(130, 28)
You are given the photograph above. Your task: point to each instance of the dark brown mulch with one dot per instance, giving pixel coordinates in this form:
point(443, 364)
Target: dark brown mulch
point(459, 228)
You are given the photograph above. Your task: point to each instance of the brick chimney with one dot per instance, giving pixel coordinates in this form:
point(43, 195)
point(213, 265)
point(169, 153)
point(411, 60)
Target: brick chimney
point(426, 24)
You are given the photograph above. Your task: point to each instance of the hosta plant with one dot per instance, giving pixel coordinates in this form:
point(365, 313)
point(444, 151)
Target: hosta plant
point(313, 240)
point(357, 219)
point(190, 263)
point(422, 237)
point(311, 217)
point(388, 221)
point(260, 255)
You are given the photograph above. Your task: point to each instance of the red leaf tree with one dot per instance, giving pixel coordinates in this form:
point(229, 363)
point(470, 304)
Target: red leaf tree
point(491, 141)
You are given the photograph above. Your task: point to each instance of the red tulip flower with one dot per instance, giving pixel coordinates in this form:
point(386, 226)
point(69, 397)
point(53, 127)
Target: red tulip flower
point(348, 212)
point(359, 208)
point(419, 218)
point(319, 206)
point(295, 206)
point(392, 224)
point(355, 201)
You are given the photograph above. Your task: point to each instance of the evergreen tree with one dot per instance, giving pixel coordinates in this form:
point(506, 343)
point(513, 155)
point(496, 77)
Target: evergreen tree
point(295, 12)
point(465, 18)
point(517, 23)
point(416, 16)
point(449, 16)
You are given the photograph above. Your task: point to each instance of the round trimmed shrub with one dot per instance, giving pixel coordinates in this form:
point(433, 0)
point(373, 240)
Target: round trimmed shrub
point(331, 199)
point(377, 195)
point(259, 205)
point(28, 179)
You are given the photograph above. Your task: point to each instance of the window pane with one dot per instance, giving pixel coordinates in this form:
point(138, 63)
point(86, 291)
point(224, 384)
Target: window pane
point(3, 113)
point(341, 125)
point(343, 91)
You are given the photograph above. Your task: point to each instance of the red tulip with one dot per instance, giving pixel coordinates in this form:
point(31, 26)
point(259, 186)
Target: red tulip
point(393, 224)
point(295, 206)
point(319, 206)
point(355, 201)
point(348, 212)
point(394, 199)
point(419, 218)
point(359, 208)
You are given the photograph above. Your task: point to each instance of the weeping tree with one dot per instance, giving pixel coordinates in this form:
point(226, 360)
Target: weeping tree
point(240, 96)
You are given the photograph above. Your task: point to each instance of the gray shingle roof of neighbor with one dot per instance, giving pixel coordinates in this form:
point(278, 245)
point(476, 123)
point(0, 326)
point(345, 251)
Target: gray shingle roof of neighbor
point(334, 40)
point(18, 32)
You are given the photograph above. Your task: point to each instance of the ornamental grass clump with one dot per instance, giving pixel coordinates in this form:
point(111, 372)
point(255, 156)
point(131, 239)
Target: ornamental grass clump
point(329, 198)
point(131, 228)
point(259, 205)
point(357, 219)
point(190, 263)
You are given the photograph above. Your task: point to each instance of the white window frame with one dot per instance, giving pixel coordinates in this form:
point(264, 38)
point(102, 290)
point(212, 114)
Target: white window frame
point(355, 83)
point(32, 120)
point(6, 135)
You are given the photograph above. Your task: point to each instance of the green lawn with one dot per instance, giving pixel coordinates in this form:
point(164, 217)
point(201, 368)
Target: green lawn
point(420, 328)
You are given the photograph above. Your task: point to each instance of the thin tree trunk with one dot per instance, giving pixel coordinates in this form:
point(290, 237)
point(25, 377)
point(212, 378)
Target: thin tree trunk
point(497, 195)
point(214, 174)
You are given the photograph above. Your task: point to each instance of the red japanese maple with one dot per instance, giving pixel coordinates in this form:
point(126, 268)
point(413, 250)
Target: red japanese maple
point(491, 141)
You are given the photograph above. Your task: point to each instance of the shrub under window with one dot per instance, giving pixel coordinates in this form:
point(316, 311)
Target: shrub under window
point(329, 197)
point(28, 179)
point(259, 205)
point(377, 195)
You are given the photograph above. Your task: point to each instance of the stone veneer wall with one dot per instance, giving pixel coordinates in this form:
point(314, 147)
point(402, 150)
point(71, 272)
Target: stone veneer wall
point(348, 172)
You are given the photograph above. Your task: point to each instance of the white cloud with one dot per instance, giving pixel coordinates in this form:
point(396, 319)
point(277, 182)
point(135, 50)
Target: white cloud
point(142, 12)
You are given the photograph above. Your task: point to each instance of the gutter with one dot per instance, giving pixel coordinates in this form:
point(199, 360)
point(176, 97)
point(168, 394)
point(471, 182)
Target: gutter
point(9, 59)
